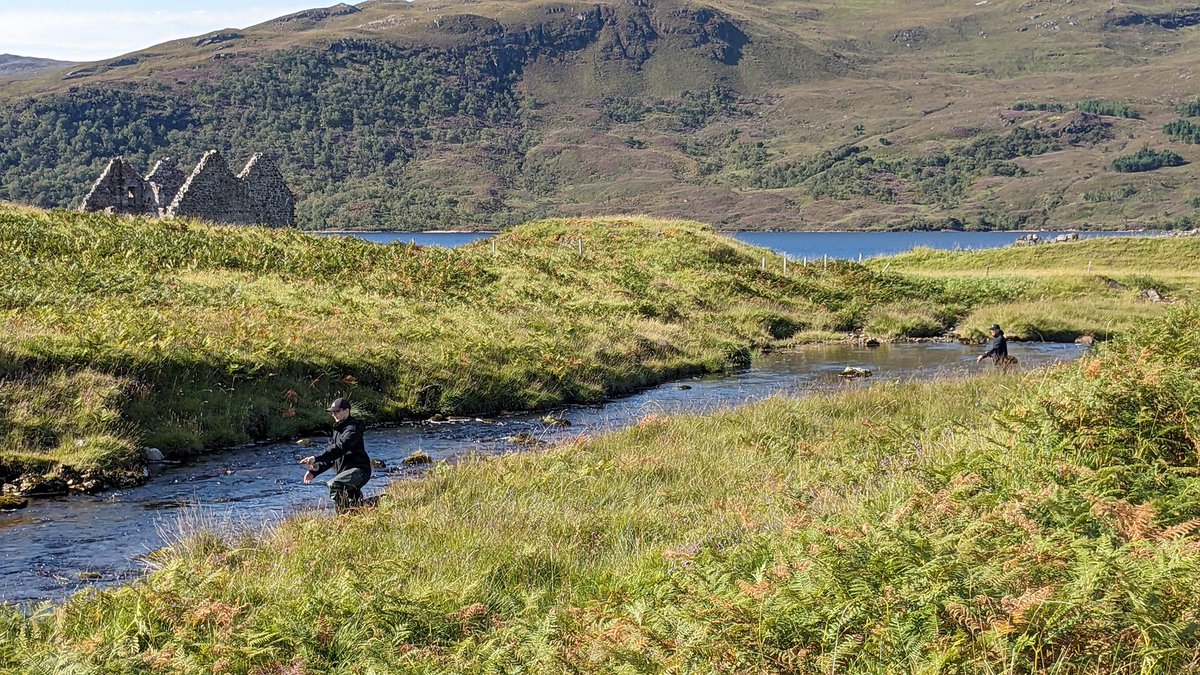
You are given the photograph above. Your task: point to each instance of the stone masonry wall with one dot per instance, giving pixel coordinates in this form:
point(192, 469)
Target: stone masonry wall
point(212, 192)
point(120, 189)
point(268, 193)
point(166, 179)
point(257, 196)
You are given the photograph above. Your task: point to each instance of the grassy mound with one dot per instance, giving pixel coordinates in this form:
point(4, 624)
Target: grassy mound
point(992, 525)
point(120, 332)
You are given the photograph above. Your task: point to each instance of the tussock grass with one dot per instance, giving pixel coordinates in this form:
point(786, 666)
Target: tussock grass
point(184, 336)
point(998, 524)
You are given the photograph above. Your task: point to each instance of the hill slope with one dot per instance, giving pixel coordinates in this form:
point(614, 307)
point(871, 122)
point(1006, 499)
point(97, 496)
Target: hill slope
point(13, 66)
point(750, 114)
point(116, 332)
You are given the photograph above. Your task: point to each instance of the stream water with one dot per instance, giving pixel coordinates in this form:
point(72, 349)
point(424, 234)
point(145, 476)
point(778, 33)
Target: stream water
point(57, 546)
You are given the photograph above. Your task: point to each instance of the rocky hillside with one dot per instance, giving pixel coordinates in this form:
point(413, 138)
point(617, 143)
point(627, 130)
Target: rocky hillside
point(13, 66)
point(754, 114)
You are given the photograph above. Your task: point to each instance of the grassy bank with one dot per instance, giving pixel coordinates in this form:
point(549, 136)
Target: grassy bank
point(1090, 287)
point(117, 333)
point(1042, 524)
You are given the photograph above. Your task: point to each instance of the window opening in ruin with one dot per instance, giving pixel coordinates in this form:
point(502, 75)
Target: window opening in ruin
point(130, 193)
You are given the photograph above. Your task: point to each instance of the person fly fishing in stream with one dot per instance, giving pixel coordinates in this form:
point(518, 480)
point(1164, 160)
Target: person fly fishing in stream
point(346, 454)
point(998, 349)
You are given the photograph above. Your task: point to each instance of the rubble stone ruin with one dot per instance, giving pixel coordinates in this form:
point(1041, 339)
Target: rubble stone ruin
point(256, 196)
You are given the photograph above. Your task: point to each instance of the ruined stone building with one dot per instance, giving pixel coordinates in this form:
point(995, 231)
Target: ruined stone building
point(256, 196)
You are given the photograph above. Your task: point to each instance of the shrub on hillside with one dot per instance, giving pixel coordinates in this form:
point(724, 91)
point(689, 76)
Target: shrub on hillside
point(1053, 107)
point(1110, 108)
point(1183, 130)
point(1146, 160)
point(1114, 195)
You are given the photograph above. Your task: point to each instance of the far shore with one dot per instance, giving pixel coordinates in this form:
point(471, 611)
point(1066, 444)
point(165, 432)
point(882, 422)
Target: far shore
point(494, 232)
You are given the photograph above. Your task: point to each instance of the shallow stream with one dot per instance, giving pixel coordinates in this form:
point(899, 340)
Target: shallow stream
point(59, 545)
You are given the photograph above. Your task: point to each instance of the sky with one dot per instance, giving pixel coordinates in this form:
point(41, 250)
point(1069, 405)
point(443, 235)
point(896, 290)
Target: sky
point(90, 30)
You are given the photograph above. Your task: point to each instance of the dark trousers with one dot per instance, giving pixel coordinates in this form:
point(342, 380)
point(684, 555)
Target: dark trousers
point(345, 489)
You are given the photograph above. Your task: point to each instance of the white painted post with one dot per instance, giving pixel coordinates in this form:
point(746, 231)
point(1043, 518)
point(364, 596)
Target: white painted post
point(764, 263)
point(785, 263)
point(493, 247)
point(580, 247)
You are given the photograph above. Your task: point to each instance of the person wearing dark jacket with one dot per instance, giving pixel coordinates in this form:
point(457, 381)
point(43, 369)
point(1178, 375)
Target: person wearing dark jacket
point(346, 455)
point(998, 349)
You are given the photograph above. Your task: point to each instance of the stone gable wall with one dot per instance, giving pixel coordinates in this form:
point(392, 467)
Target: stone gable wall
point(166, 179)
point(268, 193)
point(257, 196)
point(121, 189)
point(212, 192)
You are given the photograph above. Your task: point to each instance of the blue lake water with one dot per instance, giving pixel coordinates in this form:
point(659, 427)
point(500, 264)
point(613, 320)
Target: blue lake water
point(799, 245)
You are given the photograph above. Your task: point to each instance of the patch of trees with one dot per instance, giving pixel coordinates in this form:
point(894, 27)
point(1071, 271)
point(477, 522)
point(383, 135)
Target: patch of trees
point(1115, 195)
point(1098, 107)
point(1190, 109)
point(939, 177)
point(1052, 107)
point(1146, 160)
point(692, 110)
point(344, 122)
point(1110, 108)
point(1183, 130)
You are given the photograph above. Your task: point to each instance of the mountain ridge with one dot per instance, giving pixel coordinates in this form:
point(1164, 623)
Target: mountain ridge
point(753, 115)
point(13, 65)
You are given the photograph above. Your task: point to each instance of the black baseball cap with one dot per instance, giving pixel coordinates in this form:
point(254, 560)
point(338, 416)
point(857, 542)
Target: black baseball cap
point(994, 326)
point(338, 404)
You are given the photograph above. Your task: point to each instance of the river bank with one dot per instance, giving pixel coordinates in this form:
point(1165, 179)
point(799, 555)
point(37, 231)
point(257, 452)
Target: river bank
point(990, 524)
point(125, 333)
point(62, 544)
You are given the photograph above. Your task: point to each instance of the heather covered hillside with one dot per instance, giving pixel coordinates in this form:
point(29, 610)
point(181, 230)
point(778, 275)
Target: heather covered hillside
point(792, 114)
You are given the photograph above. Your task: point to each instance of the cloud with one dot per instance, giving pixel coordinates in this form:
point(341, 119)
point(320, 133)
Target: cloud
point(94, 34)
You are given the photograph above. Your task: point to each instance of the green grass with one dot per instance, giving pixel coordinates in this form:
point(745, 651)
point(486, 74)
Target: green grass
point(120, 333)
point(185, 337)
point(1042, 523)
point(1088, 287)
